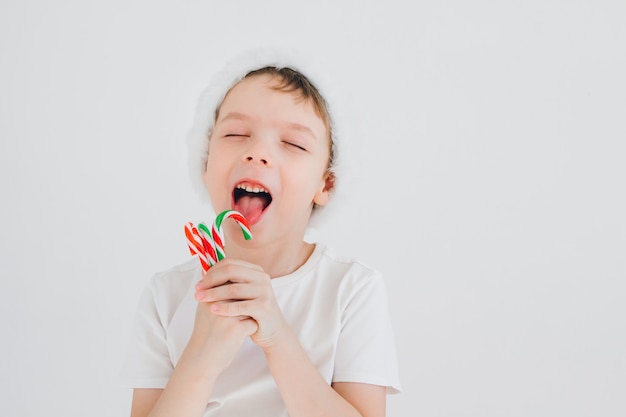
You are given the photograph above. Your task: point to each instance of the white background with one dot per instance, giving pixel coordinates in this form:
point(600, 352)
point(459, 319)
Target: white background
point(490, 188)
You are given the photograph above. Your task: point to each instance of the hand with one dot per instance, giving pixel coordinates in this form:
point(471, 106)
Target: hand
point(235, 288)
point(215, 338)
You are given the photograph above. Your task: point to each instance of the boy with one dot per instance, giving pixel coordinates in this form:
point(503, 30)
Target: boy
point(281, 326)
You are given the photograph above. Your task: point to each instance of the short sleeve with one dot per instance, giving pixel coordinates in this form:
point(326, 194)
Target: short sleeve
point(147, 363)
point(366, 350)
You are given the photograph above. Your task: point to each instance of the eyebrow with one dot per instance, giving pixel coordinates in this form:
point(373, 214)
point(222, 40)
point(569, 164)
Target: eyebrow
point(235, 116)
point(291, 125)
point(302, 128)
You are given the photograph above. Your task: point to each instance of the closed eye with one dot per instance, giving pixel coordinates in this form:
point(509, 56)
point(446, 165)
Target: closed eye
point(295, 145)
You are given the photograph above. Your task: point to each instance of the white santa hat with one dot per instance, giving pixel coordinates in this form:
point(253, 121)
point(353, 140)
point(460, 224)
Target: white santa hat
point(234, 71)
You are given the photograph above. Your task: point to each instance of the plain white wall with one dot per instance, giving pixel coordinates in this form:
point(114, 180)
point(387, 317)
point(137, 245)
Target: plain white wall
point(490, 190)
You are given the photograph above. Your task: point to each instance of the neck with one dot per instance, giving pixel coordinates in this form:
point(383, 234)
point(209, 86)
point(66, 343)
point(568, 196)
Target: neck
point(276, 258)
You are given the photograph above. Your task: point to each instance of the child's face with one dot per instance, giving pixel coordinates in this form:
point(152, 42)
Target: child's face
point(268, 157)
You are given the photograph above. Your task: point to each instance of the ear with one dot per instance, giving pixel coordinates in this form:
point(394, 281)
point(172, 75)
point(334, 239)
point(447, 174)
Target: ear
point(328, 184)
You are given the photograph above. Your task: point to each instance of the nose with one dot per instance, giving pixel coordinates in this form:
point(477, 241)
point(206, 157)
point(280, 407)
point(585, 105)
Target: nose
point(261, 160)
point(258, 152)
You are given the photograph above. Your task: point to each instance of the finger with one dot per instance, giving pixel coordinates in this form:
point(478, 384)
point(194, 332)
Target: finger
point(227, 271)
point(250, 326)
point(240, 262)
point(232, 309)
point(232, 291)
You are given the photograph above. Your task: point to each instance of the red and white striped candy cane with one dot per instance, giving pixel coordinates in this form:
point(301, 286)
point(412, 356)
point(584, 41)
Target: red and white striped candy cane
point(218, 234)
point(196, 247)
point(209, 244)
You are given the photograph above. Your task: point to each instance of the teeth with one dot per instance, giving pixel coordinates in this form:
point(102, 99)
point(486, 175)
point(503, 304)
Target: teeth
point(252, 189)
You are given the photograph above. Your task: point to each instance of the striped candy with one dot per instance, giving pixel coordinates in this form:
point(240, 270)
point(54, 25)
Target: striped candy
point(209, 244)
point(218, 234)
point(196, 246)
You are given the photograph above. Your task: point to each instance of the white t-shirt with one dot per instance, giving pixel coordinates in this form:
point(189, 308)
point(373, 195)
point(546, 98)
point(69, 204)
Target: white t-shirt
point(337, 307)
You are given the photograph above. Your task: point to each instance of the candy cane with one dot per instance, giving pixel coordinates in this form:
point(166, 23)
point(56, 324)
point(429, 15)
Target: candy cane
point(209, 244)
point(218, 234)
point(195, 245)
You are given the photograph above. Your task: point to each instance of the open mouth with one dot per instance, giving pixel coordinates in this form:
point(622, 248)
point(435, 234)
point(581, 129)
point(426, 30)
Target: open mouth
point(251, 200)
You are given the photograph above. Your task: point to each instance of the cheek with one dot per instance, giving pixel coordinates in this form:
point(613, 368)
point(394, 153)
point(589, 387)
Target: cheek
point(305, 181)
point(213, 171)
point(215, 163)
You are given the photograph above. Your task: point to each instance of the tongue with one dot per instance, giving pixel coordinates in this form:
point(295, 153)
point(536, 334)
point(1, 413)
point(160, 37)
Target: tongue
point(250, 207)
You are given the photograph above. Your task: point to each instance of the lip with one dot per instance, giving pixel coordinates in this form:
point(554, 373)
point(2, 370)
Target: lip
point(254, 184)
point(251, 182)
